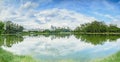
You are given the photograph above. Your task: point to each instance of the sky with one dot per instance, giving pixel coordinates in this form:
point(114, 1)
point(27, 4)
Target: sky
point(42, 14)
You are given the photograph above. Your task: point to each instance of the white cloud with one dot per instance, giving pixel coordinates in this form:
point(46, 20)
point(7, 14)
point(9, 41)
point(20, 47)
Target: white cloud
point(47, 46)
point(107, 16)
point(104, 15)
point(27, 16)
point(51, 46)
point(29, 5)
point(114, 19)
point(62, 17)
point(44, 19)
point(117, 22)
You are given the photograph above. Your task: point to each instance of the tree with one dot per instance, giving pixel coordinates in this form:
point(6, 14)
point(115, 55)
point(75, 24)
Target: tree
point(94, 27)
point(113, 28)
point(1, 27)
point(12, 28)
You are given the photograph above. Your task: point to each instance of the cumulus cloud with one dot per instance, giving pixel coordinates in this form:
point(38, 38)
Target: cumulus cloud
point(62, 17)
point(44, 19)
point(29, 5)
point(27, 14)
point(113, 19)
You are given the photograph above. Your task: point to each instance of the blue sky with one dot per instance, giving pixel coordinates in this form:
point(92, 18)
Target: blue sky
point(44, 13)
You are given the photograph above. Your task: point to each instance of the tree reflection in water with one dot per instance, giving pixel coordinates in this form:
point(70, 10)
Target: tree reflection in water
point(93, 39)
point(10, 40)
point(97, 39)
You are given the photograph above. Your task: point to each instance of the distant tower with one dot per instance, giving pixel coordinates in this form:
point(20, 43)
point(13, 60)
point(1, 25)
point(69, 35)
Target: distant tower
point(52, 27)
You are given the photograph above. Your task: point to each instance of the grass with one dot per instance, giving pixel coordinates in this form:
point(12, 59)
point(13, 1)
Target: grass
point(9, 57)
point(112, 58)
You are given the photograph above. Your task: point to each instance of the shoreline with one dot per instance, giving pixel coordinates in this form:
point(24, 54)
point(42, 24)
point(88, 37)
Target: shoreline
point(74, 33)
point(100, 33)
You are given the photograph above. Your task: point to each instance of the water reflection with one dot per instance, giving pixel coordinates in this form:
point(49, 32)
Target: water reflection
point(51, 48)
point(97, 39)
point(54, 36)
point(8, 41)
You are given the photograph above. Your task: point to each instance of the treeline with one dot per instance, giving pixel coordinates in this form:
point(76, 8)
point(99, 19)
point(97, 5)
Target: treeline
point(57, 30)
point(97, 27)
point(10, 28)
point(93, 27)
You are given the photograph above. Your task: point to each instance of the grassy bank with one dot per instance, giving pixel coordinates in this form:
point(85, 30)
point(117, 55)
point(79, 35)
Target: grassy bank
point(9, 57)
point(112, 58)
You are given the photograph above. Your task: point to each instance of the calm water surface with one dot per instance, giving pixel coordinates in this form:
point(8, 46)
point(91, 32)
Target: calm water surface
point(71, 48)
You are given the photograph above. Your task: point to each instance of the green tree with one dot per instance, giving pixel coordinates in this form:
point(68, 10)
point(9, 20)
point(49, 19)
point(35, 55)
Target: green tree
point(94, 27)
point(113, 28)
point(1, 27)
point(12, 28)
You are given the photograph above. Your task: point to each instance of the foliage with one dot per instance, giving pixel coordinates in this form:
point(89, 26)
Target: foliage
point(1, 27)
point(113, 28)
point(12, 28)
point(57, 30)
point(97, 27)
point(53, 30)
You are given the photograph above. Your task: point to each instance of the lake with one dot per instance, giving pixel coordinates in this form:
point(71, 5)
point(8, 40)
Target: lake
point(62, 48)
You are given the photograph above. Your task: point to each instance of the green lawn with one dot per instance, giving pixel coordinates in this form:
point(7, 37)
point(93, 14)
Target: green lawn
point(9, 57)
point(112, 58)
